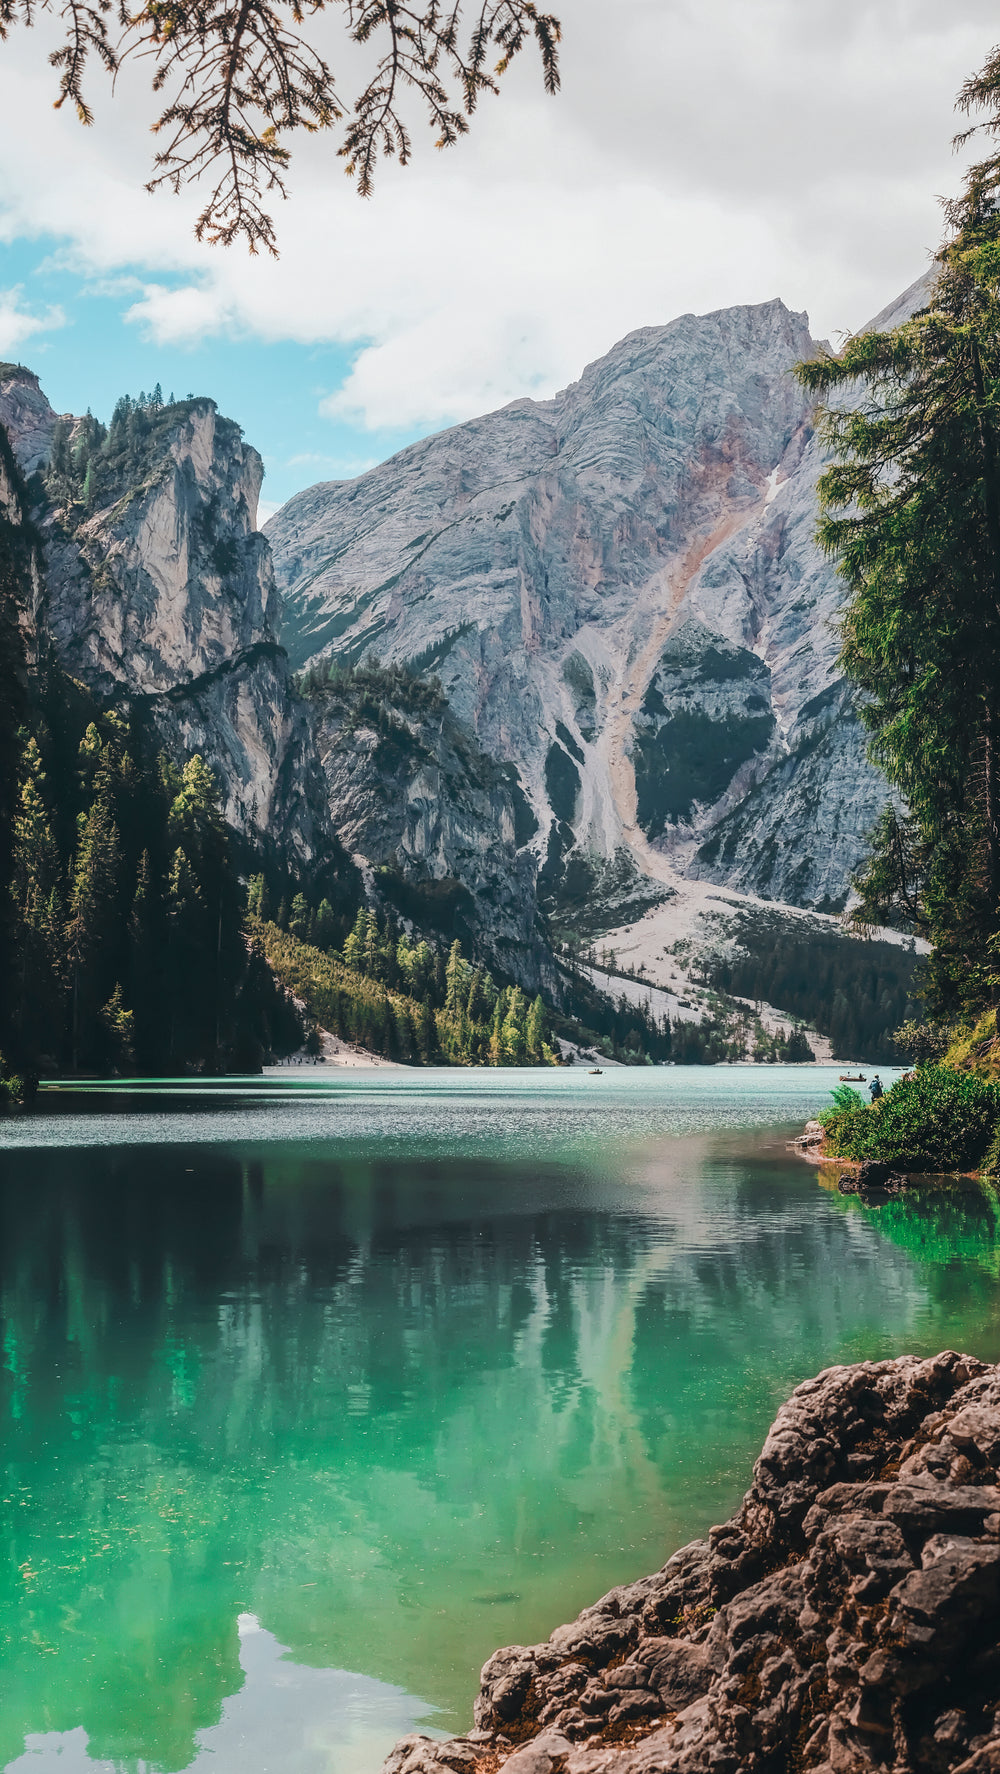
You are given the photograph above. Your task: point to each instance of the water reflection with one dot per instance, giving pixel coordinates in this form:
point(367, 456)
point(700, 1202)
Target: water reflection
point(396, 1411)
point(284, 1717)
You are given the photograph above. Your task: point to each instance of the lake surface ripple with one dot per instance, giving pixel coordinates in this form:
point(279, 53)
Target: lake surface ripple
point(317, 1389)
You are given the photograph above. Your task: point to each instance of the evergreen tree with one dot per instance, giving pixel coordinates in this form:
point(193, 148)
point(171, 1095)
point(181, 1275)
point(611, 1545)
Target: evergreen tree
point(512, 1032)
point(912, 512)
point(536, 1032)
point(91, 919)
point(371, 955)
point(426, 1033)
point(119, 1025)
point(298, 922)
point(325, 929)
point(354, 947)
point(456, 978)
point(257, 897)
point(495, 1049)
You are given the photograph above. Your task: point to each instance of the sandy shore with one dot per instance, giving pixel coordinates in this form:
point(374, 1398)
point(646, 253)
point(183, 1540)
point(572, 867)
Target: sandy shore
point(336, 1054)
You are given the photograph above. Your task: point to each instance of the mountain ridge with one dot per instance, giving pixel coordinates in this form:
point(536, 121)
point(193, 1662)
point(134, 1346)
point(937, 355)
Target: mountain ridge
point(614, 599)
point(671, 487)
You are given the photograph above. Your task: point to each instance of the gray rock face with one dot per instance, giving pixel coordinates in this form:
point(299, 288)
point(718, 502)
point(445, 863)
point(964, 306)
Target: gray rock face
point(164, 598)
point(846, 1620)
point(417, 802)
point(622, 596)
point(22, 579)
point(27, 416)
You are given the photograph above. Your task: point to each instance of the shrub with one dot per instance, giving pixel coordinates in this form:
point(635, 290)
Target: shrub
point(921, 1043)
point(12, 1088)
point(845, 1097)
point(934, 1120)
point(976, 1049)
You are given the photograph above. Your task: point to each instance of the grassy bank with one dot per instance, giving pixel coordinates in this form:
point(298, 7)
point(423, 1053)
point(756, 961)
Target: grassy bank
point(453, 1014)
point(935, 1119)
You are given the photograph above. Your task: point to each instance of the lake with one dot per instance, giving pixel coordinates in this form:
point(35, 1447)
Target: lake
point(316, 1389)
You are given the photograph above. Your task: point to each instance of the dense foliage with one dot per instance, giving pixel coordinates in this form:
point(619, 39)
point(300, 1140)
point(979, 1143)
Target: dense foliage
point(396, 996)
point(91, 465)
point(856, 993)
point(975, 1049)
point(128, 947)
point(912, 512)
point(631, 1033)
point(934, 1119)
point(17, 545)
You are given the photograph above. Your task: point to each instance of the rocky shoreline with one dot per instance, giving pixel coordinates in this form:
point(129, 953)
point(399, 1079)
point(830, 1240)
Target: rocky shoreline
point(845, 1620)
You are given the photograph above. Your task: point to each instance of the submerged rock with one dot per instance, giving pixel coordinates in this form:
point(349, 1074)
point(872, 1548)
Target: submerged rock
point(846, 1619)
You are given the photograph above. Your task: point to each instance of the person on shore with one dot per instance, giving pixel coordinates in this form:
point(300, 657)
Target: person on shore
point(875, 1088)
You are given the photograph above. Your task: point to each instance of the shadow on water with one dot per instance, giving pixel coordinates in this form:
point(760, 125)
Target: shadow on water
point(396, 1411)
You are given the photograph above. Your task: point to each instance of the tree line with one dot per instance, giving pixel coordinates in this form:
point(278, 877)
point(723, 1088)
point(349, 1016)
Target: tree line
point(855, 993)
point(391, 992)
point(90, 464)
point(127, 949)
point(911, 513)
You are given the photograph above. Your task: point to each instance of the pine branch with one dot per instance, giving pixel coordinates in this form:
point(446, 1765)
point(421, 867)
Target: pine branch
point(242, 77)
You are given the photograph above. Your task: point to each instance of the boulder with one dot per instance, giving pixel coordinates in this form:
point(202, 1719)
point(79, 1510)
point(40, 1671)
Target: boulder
point(873, 1175)
point(846, 1619)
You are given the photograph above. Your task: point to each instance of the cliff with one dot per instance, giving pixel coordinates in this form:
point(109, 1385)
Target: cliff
point(432, 821)
point(621, 593)
point(157, 592)
point(846, 1620)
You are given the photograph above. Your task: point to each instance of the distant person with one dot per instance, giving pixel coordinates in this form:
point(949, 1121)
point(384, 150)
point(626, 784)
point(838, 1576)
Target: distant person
point(875, 1088)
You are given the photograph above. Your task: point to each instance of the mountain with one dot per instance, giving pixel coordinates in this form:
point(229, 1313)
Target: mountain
point(621, 595)
point(157, 593)
point(576, 657)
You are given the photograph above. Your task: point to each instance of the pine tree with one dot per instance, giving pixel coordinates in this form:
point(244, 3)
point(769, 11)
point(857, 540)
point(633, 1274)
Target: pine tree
point(119, 1025)
point(298, 922)
point(426, 1033)
point(536, 1032)
point(372, 949)
point(512, 1033)
point(256, 897)
point(354, 946)
point(325, 930)
point(91, 914)
point(456, 981)
point(36, 858)
point(496, 1051)
point(912, 512)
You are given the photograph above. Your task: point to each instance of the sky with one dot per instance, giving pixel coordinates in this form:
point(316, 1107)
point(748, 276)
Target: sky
point(701, 153)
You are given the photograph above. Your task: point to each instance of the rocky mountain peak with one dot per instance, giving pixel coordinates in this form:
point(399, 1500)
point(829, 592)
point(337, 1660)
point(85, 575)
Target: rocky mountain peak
point(26, 416)
point(620, 591)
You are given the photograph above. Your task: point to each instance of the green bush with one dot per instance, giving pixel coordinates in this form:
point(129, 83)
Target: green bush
point(12, 1088)
point(935, 1120)
point(845, 1097)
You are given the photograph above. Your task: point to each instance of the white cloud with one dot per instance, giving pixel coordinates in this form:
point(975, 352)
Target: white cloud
point(703, 152)
point(18, 323)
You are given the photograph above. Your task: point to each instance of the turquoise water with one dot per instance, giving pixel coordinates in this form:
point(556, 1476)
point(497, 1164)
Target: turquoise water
point(314, 1391)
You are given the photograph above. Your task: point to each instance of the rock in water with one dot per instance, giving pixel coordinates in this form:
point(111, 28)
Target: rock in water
point(846, 1620)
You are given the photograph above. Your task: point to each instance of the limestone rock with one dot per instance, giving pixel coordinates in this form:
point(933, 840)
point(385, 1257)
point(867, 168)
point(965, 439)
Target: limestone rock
point(415, 800)
point(621, 593)
point(163, 599)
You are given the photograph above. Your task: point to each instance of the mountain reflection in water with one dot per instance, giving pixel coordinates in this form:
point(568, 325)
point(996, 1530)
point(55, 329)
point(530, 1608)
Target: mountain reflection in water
point(388, 1414)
